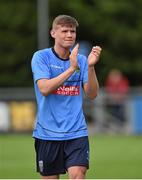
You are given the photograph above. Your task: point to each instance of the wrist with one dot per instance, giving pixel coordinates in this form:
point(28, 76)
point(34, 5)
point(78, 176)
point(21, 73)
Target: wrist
point(91, 66)
point(72, 69)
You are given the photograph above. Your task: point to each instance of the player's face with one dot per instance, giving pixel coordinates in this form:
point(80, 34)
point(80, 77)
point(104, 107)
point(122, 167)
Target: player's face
point(64, 36)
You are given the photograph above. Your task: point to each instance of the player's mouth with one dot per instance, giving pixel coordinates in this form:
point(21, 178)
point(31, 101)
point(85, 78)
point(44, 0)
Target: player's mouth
point(69, 40)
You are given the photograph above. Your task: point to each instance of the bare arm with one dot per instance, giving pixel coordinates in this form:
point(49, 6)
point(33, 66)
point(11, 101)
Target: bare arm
point(92, 86)
point(46, 86)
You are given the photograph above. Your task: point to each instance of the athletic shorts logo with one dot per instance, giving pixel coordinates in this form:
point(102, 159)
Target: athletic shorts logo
point(88, 155)
point(67, 90)
point(40, 163)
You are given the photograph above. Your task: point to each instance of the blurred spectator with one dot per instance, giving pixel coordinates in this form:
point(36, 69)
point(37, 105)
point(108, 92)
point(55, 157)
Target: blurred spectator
point(117, 87)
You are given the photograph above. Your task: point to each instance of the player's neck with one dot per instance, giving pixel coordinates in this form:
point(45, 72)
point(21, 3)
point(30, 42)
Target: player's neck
point(62, 52)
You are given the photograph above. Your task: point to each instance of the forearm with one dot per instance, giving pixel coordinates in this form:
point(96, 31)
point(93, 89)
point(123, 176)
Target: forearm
point(47, 86)
point(92, 85)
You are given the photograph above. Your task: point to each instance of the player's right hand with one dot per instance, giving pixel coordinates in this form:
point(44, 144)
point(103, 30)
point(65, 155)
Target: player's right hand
point(73, 57)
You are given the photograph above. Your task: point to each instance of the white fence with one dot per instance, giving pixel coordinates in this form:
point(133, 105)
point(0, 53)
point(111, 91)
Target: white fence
point(18, 110)
point(107, 116)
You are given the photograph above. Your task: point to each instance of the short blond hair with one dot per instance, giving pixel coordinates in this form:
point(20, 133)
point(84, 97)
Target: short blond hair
point(64, 20)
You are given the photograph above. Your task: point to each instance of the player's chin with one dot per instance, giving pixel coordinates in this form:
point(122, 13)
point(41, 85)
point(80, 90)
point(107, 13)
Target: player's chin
point(69, 44)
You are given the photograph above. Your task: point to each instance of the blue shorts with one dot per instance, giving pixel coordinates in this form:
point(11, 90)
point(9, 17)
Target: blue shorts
point(55, 157)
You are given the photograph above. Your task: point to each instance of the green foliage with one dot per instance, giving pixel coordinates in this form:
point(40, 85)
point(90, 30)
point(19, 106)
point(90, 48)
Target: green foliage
point(18, 41)
point(114, 25)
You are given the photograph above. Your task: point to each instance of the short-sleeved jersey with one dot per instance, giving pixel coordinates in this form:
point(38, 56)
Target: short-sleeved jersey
point(59, 114)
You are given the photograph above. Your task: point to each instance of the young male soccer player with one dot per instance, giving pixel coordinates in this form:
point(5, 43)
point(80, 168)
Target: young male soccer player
point(60, 76)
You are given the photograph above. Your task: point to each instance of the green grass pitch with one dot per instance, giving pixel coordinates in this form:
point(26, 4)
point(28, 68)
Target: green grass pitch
point(113, 157)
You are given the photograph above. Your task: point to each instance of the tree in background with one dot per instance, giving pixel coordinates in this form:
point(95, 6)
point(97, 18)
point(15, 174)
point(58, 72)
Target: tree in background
point(114, 25)
point(17, 41)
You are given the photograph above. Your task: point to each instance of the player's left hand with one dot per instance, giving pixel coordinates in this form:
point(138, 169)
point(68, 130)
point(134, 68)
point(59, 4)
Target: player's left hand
point(94, 55)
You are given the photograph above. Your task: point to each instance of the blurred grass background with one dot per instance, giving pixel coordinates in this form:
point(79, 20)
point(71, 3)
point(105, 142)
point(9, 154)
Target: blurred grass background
point(113, 157)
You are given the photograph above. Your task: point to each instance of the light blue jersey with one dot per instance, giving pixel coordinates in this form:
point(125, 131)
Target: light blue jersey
point(59, 115)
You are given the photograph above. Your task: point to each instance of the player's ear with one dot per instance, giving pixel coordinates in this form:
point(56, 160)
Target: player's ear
point(52, 32)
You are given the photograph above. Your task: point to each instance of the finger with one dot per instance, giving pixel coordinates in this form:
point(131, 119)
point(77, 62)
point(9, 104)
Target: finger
point(98, 48)
point(96, 53)
point(75, 49)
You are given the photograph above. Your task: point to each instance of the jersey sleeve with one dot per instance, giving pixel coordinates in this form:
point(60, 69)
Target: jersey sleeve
point(40, 67)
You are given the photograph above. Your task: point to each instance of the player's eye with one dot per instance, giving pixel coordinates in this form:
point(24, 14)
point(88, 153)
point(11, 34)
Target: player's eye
point(64, 31)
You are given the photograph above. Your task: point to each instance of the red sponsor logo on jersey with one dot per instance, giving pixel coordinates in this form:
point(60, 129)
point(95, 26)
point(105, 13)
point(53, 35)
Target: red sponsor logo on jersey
point(67, 90)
